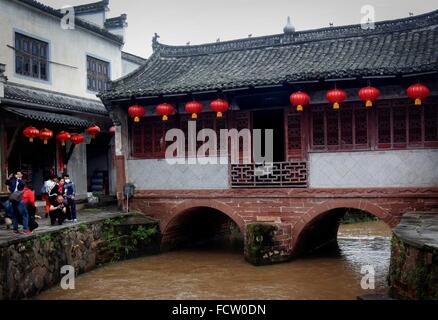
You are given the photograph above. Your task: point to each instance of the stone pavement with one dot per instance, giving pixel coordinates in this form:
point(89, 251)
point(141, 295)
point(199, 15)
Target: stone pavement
point(84, 216)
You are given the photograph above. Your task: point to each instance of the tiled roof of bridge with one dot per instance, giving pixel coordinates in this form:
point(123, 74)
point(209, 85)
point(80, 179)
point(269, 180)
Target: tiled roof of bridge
point(393, 47)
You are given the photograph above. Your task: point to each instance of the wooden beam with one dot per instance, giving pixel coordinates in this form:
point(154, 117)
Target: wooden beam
point(13, 140)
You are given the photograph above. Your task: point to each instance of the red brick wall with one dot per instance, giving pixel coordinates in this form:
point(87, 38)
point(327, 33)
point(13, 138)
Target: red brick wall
point(290, 209)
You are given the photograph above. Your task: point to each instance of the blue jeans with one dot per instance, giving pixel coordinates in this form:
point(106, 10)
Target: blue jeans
point(71, 208)
point(19, 210)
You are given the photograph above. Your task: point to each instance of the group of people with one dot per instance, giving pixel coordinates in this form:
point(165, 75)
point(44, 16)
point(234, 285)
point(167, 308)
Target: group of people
point(58, 192)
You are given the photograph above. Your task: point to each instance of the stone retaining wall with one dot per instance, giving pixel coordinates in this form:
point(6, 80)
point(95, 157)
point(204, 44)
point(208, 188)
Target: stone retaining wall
point(33, 264)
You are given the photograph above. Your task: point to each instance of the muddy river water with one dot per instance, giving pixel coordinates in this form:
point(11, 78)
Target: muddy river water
point(216, 274)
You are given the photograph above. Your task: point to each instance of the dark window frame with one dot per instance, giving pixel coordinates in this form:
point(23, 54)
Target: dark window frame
point(335, 121)
point(98, 74)
point(31, 57)
point(403, 115)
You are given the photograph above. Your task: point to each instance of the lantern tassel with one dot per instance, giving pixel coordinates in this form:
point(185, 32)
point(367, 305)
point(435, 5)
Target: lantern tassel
point(369, 104)
point(62, 143)
point(299, 108)
point(45, 141)
point(194, 116)
point(336, 106)
point(30, 139)
point(136, 119)
point(418, 102)
point(165, 118)
point(219, 114)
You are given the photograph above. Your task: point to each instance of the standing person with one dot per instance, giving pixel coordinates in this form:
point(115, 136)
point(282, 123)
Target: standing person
point(29, 202)
point(69, 193)
point(48, 185)
point(17, 209)
point(57, 210)
point(54, 191)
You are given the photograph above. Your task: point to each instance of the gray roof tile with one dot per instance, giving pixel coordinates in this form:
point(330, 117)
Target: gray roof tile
point(402, 46)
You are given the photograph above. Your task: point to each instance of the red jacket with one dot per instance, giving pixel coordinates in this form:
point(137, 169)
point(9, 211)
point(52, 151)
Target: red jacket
point(28, 197)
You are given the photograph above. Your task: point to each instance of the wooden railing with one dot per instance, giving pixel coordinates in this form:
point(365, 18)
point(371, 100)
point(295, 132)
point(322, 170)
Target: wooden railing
point(291, 174)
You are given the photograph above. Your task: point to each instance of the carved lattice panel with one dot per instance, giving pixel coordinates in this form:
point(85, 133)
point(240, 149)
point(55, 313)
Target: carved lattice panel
point(277, 174)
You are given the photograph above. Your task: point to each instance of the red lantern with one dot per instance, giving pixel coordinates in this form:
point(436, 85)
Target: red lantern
point(219, 106)
point(77, 139)
point(165, 110)
point(31, 132)
point(418, 92)
point(93, 130)
point(336, 96)
point(369, 94)
point(136, 111)
point(299, 99)
point(63, 137)
point(112, 130)
point(194, 107)
point(46, 135)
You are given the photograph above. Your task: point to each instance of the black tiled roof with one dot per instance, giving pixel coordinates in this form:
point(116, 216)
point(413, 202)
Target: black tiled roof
point(49, 117)
point(51, 100)
point(79, 22)
point(133, 58)
point(116, 22)
point(92, 7)
point(394, 47)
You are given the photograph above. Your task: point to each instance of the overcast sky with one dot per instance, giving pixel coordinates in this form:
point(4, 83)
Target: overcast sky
point(202, 21)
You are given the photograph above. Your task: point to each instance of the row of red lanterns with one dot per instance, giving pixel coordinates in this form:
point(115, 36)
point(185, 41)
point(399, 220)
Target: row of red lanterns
point(298, 99)
point(46, 134)
point(193, 107)
point(417, 92)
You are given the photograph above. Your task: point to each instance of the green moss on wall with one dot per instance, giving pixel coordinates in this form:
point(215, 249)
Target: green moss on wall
point(259, 241)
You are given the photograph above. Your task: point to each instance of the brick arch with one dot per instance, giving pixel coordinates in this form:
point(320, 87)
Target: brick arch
point(187, 205)
point(328, 205)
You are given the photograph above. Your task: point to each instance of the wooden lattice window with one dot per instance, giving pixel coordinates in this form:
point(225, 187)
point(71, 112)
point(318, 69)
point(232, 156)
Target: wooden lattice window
point(31, 57)
point(294, 143)
point(148, 137)
point(401, 125)
point(344, 129)
point(97, 74)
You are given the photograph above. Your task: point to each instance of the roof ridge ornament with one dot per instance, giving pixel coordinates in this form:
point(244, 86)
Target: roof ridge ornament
point(289, 28)
point(155, 42)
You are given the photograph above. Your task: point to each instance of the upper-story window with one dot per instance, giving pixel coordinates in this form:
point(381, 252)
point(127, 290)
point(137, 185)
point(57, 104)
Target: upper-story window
point(344, 129)
point(401, 125)
point(97, 74)
point(31, 57)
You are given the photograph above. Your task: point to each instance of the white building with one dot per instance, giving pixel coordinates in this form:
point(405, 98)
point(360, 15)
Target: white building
point(53, 63)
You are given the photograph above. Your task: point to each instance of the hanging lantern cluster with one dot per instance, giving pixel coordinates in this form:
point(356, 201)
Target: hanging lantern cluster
point(62, 137)
point(418, 92)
